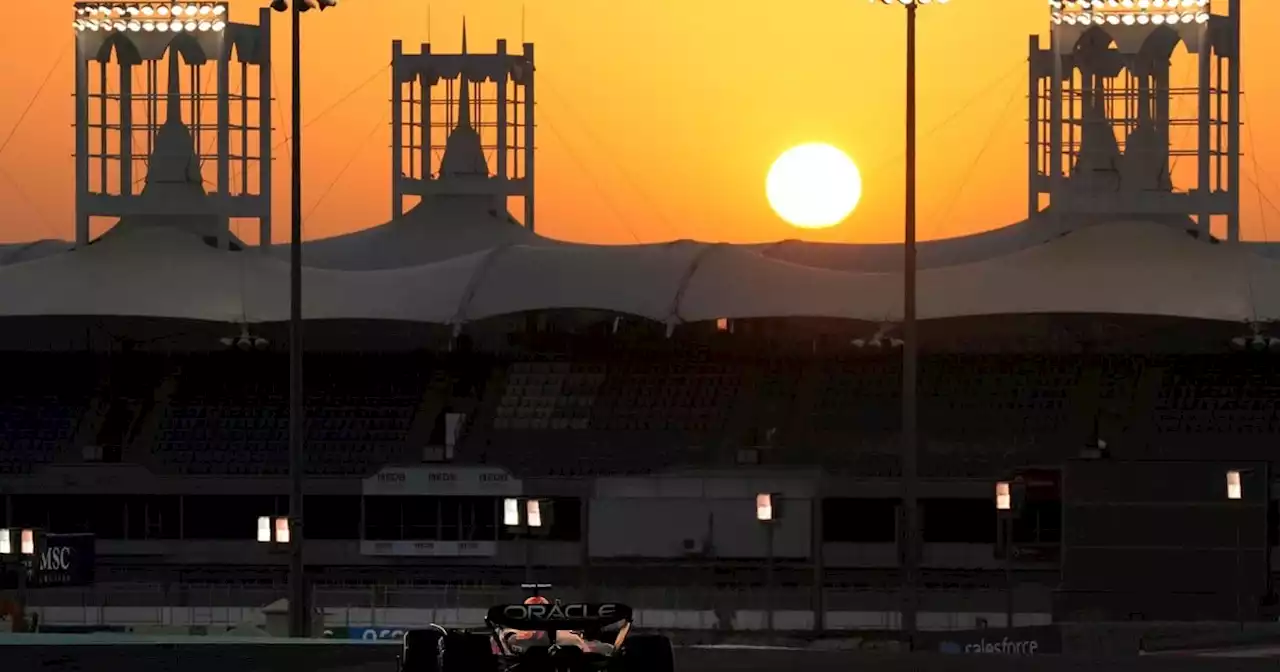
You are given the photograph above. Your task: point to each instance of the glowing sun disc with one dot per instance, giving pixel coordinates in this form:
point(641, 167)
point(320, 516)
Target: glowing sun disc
point(813, 186)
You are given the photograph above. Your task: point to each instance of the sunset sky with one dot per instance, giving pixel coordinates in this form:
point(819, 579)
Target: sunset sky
point(657, 120)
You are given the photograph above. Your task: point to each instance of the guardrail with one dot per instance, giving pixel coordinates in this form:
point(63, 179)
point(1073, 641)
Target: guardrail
point(1026, 598)
point(395, 619)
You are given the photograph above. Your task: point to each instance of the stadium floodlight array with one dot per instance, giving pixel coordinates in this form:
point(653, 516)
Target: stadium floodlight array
point(532, 513)
point(1256, 343)
point(160, 17)
point(17, 542)
point(1129, 12)
point(1004, 496)
point(765, 507)
point(1234, 489)
point(273, 529)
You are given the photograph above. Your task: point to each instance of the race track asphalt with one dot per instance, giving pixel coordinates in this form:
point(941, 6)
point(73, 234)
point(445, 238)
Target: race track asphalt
point(278, 657)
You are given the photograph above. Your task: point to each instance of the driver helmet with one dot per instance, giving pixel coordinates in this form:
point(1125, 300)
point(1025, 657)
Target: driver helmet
point(537, 599)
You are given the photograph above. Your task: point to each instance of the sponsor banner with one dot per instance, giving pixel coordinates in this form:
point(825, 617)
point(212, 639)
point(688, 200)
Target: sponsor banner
point(67, 560)
point(64, 560)
point(1001, 642)
point(376, 634)
point(430, 549)
point(442, 481)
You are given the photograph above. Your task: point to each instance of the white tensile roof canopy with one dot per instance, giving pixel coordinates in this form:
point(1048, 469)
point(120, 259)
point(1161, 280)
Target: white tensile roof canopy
point(461, 258)
point(1131, 268)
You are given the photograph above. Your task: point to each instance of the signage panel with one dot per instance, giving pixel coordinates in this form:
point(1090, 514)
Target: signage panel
point(442, 481)
point(430, 549)
point(1028, 641)
point(65, 560)
point(377, 634)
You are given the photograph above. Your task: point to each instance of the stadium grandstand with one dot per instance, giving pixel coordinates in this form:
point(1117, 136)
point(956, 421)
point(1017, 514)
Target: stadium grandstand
point(645, 395)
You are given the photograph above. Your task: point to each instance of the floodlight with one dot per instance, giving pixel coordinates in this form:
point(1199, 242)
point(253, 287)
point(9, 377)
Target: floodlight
point(282, 530)
point(152, 16)
point(533, 513)
point(764, 507)
point(511, 512)
point(1129, 12)
point(264, 529)
point(1234, 491)
point(1004, 497)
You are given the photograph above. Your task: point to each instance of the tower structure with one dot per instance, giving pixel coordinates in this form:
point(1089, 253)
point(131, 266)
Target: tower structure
point(462, 125)
point(156, 125)
point(1106, 126)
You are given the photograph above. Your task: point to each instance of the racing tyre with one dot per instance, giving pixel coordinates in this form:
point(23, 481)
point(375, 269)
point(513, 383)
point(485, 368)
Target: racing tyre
point(646, 653)
point(421, 651)
point(467, 652)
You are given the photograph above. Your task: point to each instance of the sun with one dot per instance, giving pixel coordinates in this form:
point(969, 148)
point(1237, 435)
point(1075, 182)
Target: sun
point(813, 186)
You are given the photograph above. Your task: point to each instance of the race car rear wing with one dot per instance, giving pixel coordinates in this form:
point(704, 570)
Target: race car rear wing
point(577, 616)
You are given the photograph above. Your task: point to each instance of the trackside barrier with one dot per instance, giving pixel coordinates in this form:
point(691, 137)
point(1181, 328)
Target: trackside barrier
point(663, 619)
point(218, 655)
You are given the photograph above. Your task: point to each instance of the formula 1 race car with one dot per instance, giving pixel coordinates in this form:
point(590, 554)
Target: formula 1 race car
point(540, 636)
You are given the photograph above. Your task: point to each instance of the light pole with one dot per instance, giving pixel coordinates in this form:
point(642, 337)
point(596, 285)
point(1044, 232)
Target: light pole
point(298, 608)
point(1235, 493)
point(767, 514)
point(524, 517)
point(18, 546)
point(910, 345)
point(1005, 508)
point(275, 533)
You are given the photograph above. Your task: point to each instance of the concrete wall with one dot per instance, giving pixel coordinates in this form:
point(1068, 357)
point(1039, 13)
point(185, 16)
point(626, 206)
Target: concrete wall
point(725, 528)
point(653, 517)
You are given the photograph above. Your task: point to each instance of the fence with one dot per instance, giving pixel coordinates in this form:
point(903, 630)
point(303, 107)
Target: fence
point(684, 608)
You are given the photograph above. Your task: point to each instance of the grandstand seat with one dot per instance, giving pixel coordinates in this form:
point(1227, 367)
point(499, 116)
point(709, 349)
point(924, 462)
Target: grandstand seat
point(43, 398)
point(229, 413)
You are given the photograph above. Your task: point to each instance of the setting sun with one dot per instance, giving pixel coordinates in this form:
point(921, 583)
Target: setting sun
point(813, 186)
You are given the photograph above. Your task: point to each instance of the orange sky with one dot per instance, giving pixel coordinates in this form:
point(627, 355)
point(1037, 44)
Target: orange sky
point(658, 120)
